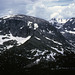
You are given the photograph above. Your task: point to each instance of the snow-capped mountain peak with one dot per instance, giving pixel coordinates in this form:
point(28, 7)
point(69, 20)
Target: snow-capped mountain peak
point(61, 20)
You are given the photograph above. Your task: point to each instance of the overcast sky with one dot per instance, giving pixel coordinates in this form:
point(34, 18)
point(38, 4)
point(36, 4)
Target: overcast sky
point(45, 9)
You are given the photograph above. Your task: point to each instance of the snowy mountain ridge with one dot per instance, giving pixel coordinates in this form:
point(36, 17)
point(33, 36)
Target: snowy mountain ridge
point(27, 42)
point(58, 20)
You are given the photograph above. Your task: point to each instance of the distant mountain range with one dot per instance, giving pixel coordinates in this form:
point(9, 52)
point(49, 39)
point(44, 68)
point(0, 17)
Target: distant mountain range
point(58, 22)
point(28, 42)
point(67, 29)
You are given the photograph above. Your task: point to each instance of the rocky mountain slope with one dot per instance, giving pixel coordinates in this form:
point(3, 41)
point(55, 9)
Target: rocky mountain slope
point(68, 30)
point(27, 42)
point(58, 22)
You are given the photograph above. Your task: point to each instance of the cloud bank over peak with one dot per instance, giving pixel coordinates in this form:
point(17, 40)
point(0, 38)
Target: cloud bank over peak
point(45, 9)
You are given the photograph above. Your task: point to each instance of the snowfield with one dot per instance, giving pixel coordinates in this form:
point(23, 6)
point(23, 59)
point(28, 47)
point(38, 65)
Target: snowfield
point(71, 32)
point(20, 40)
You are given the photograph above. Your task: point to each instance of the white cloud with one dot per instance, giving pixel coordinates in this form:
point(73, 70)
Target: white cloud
point(69, 11)
point(45, 9)
point(40, 9)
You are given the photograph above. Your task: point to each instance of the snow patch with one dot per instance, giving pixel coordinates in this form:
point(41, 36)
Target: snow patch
point(58, 50)
point(37, 38)
point(73, 28)
point(20, 55)
point(52, 55)
point(3, 40)
point(48, 57)
point(62, 20)
point(47, 38)
point(38, 52)
point(8, 16)
point(21, 27)
point(0, 31)
point(37, 61)
point(35, 26)
point(44, 52)
point(43, 30)
point(72, 32)
point(63, 32)
point(19, 40)
point(71, 20)
point(65, 28)
point(4, 21)
point(30, 58)
point(33, 50)
point(53, 41)
point(50, 31)
point(10, 46)
point(29, 24)
point(57, 42)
